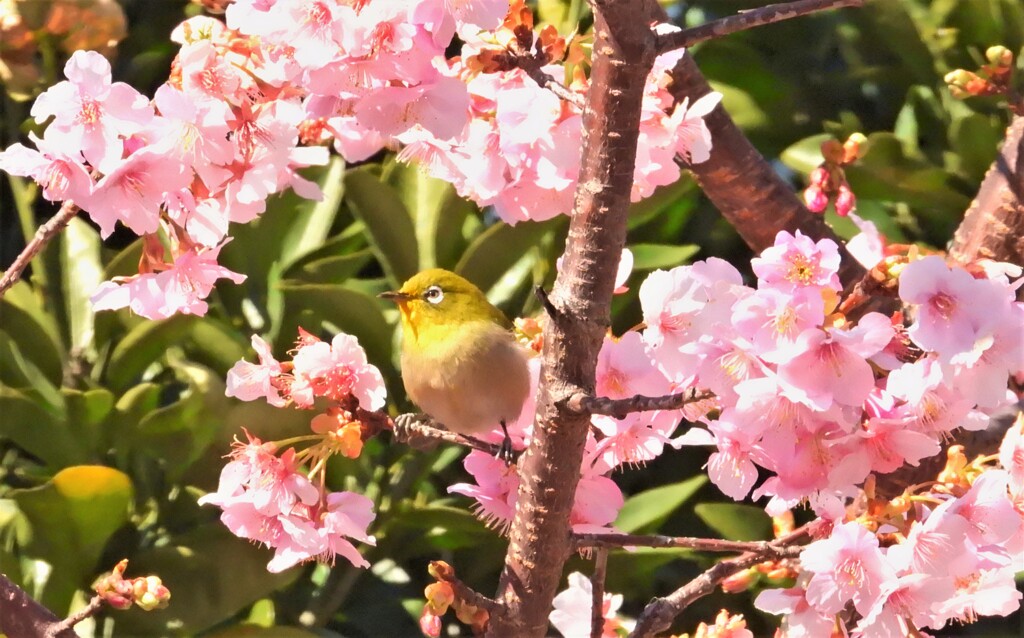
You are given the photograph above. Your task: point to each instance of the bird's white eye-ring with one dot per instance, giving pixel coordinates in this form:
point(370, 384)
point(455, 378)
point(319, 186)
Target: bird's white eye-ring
point(434, 294)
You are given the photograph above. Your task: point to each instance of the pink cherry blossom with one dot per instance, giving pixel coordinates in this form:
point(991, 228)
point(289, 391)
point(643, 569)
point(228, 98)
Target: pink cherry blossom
point(495, 490)
point(832, 366)
point(60, 177)
point(133, 192)
point(90, 113)
point(1011, 457)
point(625, 368)
point(250, 381)
point(637, 438)
point(336, 370)
point(797, 261)
point(693, 139)
point(846, 566)
point(801, 620)
point(181, 287)
point(571, 610)
point(867, 246)
point(905, 604)
point(954, 310)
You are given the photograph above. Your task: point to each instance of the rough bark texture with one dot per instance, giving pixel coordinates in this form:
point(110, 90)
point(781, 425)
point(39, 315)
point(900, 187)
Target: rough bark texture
point(22, 617)
point(539, 539)
point(744, 187)
point(993, 226)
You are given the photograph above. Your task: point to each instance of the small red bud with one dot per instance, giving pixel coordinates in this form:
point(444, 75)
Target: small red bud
point(816, 199)
point(845, 201)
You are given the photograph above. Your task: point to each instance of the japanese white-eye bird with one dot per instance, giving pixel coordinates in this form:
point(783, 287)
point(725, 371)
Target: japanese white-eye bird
point(460, 362)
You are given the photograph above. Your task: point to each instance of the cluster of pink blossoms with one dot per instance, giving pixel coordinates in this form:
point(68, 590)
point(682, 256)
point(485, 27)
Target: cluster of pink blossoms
point(949, 554)
point(253, 99)
point(266, 496)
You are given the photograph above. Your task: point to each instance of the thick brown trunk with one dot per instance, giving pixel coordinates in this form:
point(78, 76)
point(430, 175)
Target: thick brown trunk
point(539, 541)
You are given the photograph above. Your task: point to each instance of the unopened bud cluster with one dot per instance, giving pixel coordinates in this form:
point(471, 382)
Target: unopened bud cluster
point(828, 181)
point(441, 596)
point(147, 592)
point(994, 78)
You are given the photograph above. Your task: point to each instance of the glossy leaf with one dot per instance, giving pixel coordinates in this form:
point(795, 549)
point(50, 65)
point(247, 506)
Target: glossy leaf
point(81, 275)
point(644, 512)
point(211, 574)
point(653, 256)
point(391, 229)
point(736, 521)
point(71, 519)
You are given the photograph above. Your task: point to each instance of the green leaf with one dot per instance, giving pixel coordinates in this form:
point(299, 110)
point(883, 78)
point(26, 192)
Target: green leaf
point(86, 414)
point(330, 270)
point(975, 139)
point(25, 321)
point(311, 221)
point(37, 431)
point(442, 526)
point(388, 223)
point(654, 256)
point(645, 511)
point(495, 251)
point(143, 345)
point(18, 371)
point(735, 521)
point(81, 274)
point(804, 156)
point(437, 211)
point(71, 519)
point(211, 574)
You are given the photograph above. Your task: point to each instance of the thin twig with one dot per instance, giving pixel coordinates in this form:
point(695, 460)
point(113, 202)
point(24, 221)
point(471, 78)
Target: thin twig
point(581, 403)
point(747, 20)
point(95, 605)
point(659, 613)
point(597, 593)
point(533, 69)
point(43, 235)
point(545, 302)
point(700, 544)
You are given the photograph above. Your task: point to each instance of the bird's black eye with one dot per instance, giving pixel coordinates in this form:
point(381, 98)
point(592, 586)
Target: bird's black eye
point(434, 294)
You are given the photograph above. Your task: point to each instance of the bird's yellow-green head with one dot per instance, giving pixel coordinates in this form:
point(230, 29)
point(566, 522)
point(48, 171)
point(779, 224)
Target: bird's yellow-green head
point(436, 302)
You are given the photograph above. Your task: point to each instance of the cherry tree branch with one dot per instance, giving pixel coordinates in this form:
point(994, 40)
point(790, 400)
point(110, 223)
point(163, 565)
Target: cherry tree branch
point(44, 234)
point(610, 540)
point(993, 226)
point(539, 535)
point(597, 593)
point(60, 629)
point(658, 615)
point(747, 20)
point(744, 187)
point(20, 615)
point(415, 430)
point(582, 403)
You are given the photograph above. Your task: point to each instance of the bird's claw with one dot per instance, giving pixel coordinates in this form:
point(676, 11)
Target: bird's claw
point(506, 452)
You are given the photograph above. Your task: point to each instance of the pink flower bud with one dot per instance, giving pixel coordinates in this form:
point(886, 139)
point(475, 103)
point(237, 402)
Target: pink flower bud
point(819, 177)
point(430, 624)
point(815, 198)
point(845, 201)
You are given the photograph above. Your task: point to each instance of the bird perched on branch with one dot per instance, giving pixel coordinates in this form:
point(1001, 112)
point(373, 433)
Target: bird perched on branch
point(461, 363)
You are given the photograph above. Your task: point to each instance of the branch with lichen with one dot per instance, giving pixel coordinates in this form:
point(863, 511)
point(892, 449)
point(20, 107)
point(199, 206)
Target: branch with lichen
point(583, 403)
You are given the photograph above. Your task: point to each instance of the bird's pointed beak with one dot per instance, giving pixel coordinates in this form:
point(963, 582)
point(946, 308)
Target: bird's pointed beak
point(396, 296)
